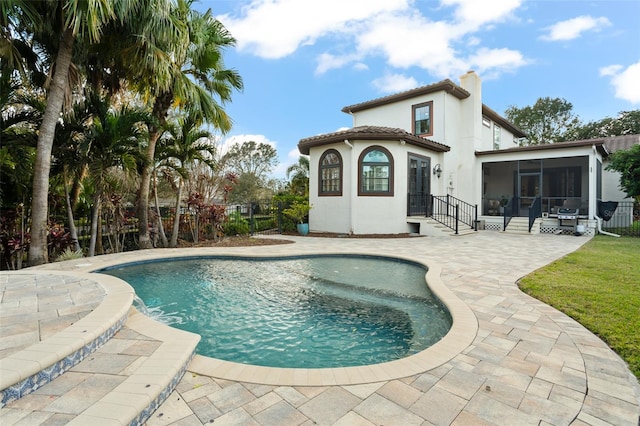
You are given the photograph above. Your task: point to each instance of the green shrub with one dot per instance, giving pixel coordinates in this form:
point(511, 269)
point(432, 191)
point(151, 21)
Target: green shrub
point(236, 225)
point(69, 254)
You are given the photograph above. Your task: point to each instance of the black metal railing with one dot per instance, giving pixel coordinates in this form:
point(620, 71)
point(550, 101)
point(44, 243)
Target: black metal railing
point(535, 211)
point(451, 212)
point(510, 210)
point(418, 204)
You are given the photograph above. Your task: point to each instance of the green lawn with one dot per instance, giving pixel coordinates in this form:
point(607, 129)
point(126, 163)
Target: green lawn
point(599, 286)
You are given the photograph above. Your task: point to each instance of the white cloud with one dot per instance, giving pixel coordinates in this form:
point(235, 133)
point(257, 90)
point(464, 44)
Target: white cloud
point(394, 29)
point(393, 83)
point(292, 157)
point(610, 70)
point(327, 61)
point(360, 66)
point(573, 28)
point(624, 81)
point(474, 13)
point(276, 28)
point(489, 62)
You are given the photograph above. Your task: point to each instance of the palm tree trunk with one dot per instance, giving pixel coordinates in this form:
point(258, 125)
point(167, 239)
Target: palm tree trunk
point(72, 225)
point(55, 98)
point(176, 219)
point(95, 218)
point(144, 239)
point(163, 236)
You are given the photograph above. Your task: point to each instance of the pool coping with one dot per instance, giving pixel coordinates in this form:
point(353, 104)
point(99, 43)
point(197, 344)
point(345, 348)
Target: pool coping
point(24, 371)
point(462, 333)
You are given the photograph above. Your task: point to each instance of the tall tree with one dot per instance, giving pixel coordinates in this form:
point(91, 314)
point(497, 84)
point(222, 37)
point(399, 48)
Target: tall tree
point(251, 157)
point(112, 142)
point(252, 163)
point(185, 144)
point(20, 116)
point(627, 163)
point(549, 120)
point(626, 123)
point(187, 73)
point(68, 21)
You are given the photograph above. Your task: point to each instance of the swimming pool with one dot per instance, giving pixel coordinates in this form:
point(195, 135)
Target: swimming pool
point(300, 312)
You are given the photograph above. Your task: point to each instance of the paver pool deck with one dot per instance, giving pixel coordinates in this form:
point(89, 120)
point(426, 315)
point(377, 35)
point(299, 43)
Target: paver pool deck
point(522, 362)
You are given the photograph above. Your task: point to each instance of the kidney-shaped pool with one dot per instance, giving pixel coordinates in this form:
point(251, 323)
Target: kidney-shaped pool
point(297, 312)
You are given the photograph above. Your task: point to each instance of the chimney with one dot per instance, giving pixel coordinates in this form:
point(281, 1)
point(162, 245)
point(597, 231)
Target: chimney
point(472, 109)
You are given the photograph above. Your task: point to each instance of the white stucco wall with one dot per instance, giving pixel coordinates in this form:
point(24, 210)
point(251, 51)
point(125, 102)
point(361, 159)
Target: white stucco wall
point(364, 214)
point(611, 186)
point(330, 213)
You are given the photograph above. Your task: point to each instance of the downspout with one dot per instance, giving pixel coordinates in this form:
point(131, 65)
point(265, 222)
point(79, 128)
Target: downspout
point(354, 184)
point(600, 231)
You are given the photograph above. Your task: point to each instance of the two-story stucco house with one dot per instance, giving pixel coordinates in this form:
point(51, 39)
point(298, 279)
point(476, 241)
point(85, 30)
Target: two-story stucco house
point(422, 152)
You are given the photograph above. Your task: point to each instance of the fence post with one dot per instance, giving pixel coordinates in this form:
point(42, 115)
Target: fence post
point(457, 208)
point(251, 224)
point(475, 217)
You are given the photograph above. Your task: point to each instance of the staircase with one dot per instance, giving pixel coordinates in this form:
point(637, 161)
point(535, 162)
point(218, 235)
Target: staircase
point(430, 227)
point(520, 225)
point(112, 366)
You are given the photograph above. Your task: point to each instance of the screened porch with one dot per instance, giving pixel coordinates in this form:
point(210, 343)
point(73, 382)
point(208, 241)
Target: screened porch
point(556, 181)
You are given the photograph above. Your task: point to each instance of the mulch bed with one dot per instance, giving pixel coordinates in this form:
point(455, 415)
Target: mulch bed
point(245, 240)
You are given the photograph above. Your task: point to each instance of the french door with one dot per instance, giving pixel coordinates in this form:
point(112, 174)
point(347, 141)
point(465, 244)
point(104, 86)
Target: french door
point(419, 185)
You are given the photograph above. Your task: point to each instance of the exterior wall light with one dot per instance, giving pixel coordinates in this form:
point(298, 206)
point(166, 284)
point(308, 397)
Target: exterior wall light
point(437, 170)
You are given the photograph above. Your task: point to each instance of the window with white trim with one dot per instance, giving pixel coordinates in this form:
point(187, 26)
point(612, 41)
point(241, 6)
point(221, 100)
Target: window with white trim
point(497, 132)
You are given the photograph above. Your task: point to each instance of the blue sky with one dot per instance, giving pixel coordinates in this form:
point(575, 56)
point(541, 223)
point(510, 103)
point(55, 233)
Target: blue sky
point(303, 60)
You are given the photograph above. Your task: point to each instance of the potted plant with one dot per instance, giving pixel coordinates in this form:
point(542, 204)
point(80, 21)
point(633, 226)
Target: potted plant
point(298, 212)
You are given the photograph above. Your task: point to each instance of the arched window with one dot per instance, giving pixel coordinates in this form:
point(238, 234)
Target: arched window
point(330, 173)
point(375, 172)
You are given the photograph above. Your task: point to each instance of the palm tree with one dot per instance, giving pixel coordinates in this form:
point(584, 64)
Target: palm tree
point(69, 166)
point(299, 175)
point(112, 143)
point(63, 23)
point(186, 144)
point(20, 115)
point(193, 80)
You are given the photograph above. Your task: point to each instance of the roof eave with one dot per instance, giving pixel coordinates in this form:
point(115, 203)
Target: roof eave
point(444, 85)
point(503, 122)
point(598, 143)
point(305, 145)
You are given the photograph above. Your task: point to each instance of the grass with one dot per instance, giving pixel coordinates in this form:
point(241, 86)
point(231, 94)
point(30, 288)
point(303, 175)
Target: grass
point(598, 286)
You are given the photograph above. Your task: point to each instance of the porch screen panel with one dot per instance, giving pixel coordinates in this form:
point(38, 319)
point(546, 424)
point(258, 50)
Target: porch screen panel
point(599, 180)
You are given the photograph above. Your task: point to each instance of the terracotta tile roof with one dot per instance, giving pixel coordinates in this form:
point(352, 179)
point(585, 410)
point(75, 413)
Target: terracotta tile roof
point(444, 85)
point(375, 133)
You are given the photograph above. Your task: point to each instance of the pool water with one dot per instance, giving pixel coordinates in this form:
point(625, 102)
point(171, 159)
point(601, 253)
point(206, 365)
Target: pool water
point(302, 312)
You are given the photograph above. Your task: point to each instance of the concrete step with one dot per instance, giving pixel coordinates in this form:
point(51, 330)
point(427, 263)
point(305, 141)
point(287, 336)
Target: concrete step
point(26, 370)
point(120, 374)
point(429, 226)
point(520, 225)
